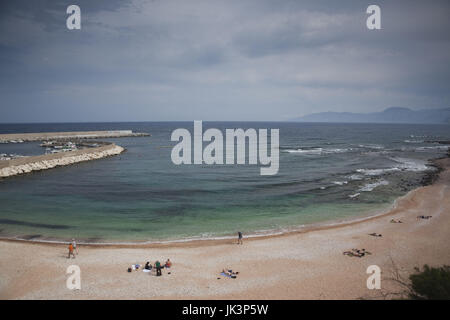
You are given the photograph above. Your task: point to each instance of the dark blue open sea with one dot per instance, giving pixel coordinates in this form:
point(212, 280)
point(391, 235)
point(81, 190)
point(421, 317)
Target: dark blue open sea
point(328, 173)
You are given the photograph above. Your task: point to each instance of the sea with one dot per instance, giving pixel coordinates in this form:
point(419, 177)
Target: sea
point(329, 174)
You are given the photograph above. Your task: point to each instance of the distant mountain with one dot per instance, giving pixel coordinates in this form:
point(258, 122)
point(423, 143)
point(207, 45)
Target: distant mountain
point(390, 115)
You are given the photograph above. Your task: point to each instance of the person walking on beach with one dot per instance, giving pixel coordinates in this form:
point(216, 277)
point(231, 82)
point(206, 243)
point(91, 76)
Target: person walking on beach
point(74, 245)
point(240, 237)
point(71, 251)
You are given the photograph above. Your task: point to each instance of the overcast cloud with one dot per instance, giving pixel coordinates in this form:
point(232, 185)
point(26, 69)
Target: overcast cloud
point(256, 60)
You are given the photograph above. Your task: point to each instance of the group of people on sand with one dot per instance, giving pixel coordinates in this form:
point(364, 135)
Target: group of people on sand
point(361, 253)
point(424, 217)
point(229, 273)
point(156, 267)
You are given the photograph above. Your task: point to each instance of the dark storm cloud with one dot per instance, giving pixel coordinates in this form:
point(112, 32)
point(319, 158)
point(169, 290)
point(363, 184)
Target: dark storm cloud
point(219, 60)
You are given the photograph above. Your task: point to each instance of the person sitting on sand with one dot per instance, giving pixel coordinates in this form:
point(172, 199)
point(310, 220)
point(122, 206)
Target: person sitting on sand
point(225, 272)
point(71, 251)
point(168, 263)
point(148, 266)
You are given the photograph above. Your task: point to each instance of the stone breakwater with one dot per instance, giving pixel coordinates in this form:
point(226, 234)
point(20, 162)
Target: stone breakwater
point(14, 167)
point(21, 137)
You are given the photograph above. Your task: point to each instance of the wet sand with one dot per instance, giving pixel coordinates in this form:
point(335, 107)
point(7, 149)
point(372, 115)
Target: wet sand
point(308, 265)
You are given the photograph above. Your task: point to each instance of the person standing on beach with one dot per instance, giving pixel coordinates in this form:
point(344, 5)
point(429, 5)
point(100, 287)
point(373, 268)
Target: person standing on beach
point(74, 245)
point(71, 251)
point(240, 237)
point(158, 268)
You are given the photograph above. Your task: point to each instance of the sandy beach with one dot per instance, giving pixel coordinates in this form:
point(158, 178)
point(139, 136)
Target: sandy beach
point(303, 265)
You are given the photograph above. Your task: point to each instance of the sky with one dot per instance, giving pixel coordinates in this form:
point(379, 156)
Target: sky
point(250, 60)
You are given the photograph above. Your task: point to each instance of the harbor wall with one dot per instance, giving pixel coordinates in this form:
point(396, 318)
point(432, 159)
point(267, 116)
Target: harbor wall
point(23, 165)
point(5, 138)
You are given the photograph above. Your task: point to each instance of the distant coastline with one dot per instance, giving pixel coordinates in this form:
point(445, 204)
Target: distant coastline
point(389, 115)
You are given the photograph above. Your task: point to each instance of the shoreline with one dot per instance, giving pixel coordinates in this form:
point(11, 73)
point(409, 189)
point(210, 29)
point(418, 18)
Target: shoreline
point(429, 179)
point(207, 241)
point(304, 265)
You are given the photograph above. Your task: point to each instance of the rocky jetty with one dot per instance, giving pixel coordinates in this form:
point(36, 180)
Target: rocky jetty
point(14, 167)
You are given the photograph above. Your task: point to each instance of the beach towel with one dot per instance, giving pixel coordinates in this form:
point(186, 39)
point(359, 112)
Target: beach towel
point(146, 270)
point(228, 276)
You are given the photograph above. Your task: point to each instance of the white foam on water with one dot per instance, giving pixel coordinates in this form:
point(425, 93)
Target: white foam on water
point(422, 149)
point(371, 146)
point(370, 186)
point(355, 177)
point(305, 151)
point(377, 172)
point(403, 164)
point(411, 164)
point(354, 195)
point(340, 183)
point(338, 150)
point(316, 151)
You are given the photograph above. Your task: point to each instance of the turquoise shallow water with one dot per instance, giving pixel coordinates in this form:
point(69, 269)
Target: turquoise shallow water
point(328, 172)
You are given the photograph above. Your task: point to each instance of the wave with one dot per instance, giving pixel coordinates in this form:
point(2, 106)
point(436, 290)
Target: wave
point(305, 151)
point(421, 149)
point(377, 172)
point(413, 141)
point(355, 177)
point(340, 183)
point(411, 164)
point(403, 165)
point(370, 186)
point(318, 151)
point(371, 146)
